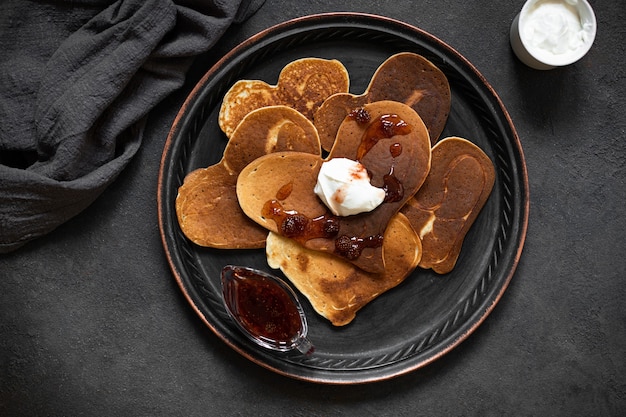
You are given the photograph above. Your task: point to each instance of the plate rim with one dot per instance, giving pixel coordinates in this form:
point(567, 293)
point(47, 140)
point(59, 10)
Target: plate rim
point(323, 376)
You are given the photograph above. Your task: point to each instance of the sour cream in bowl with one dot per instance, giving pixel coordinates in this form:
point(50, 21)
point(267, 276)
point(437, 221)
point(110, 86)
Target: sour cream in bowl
point(553, 33)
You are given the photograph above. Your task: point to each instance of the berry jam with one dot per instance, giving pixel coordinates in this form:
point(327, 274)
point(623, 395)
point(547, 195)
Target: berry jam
point(264, 307)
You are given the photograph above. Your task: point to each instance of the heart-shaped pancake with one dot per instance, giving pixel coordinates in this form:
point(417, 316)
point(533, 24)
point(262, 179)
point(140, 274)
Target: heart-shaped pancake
point(336, 288)
point(302, 84)
point(405, 77)
point(206, 205)
point(443, 210)
point(388, 138)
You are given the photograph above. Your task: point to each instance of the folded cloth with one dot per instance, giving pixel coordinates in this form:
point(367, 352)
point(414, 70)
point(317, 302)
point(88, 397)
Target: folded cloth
point(77, 79)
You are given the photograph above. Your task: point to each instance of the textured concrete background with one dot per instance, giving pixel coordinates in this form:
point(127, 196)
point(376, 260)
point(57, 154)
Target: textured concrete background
point(92, 323)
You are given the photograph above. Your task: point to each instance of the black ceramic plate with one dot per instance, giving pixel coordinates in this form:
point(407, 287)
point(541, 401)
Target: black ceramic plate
point(428, 314)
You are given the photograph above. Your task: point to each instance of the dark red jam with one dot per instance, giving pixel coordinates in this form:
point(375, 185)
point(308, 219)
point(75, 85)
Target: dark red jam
point(263, 307)
point(395, 150)
point(351, 247)
point(360, 115)
point(385, 127)
point(394, 191)
point(298, 226)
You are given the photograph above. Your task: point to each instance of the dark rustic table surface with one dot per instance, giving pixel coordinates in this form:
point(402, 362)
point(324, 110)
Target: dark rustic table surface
point(93, 323)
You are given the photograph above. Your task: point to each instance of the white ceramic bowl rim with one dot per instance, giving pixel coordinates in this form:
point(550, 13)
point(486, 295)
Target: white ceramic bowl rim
point(587, 16)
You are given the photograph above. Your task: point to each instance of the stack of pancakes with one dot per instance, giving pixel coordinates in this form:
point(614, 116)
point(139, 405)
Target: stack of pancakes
point(278, 137)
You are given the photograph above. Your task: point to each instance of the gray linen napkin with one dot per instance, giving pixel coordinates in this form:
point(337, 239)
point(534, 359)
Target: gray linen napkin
point(77, 79)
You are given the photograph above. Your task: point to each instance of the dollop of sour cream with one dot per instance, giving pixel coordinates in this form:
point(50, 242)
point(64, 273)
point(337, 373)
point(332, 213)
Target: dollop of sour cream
point(344, 186)
point(555, 28)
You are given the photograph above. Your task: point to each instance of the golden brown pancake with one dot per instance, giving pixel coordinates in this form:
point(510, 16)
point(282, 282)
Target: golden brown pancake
point(303, 84)
point(273, 186)
point(207, 207)
point(405, 77)
point(336, 288)
point(459, 183)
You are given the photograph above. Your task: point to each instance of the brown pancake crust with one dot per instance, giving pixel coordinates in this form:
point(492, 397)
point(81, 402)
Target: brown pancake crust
point(336, 288)
point(260, 182)
point(303, 84)
point(405, 77)
point(459, 183)
point(206, 205)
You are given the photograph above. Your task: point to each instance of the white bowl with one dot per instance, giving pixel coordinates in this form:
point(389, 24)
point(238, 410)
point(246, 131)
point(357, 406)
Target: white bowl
point(547, 34)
